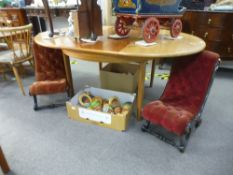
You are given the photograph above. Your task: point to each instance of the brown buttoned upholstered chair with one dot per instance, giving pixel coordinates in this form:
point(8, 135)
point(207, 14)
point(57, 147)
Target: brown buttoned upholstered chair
point(49, 72)
point(18, 40)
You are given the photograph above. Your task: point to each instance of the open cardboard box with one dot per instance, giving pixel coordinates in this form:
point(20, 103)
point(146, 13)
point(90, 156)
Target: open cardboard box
point(117, 122)
point(120, 77)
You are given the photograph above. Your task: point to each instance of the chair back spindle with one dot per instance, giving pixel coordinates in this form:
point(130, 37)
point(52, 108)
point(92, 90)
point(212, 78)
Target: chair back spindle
point(18, 40)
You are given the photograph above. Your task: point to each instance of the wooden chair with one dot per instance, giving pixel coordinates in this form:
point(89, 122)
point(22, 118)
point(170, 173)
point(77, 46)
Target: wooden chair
point(3, 163)
point(18, 40)
point(178, 111)
point(3, 67)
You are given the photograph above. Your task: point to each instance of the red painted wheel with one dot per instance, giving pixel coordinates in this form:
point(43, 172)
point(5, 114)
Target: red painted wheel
point(151, 29)
point(121, 26)
point(176, 28)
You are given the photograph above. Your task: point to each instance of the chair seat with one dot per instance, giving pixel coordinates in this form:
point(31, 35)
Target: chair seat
point(3, 46)
point(48, 87)
point(173, 118)
point(6, 56)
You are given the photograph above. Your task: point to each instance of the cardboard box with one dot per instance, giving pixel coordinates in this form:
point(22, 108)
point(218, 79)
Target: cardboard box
point(120, 77)
point(117, 122)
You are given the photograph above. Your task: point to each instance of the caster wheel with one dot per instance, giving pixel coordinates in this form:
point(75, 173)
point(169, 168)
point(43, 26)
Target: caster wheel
point(176, 28)
point(143, 129)
point(198, 123)
point(151, 29)
point(35, 108)
point(181, 150)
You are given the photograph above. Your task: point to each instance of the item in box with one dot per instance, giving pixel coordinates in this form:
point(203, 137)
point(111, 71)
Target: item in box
point(85, 99)
point(97, 103)
point(107, 108)
point(126, 107)
point(114, 102)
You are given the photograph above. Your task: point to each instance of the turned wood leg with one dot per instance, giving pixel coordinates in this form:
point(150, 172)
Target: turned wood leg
point(69, 79)
point(35, 103)
point(3, 163)
point(140, 94)
point(18, 79)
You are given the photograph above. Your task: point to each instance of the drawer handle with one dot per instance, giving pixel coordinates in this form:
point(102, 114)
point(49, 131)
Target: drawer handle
point(209, 21)
point(206, 34)
point(229, 50)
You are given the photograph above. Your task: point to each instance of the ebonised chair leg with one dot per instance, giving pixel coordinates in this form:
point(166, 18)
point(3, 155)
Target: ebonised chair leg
point(145, 127)
point(184, 140)
point(35, 103)
point(182, 144)
point(198, 122)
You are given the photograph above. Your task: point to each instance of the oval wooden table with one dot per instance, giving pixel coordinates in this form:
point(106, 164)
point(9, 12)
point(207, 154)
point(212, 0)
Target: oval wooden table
point(122, 51)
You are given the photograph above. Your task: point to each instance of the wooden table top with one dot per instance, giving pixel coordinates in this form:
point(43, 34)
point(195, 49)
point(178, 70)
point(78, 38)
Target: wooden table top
point(165, 47)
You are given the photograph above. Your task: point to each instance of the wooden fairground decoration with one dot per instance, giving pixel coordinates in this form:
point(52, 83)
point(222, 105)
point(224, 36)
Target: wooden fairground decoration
point(149, 15)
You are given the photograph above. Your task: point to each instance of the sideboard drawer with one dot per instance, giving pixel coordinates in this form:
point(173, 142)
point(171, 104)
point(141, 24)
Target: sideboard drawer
point(212, 19)
point(213, 34)
point(224, 49)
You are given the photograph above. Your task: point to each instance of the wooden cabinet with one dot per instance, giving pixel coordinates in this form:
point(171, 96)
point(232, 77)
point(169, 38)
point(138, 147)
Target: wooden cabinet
point(17, 16)
point(216, 28)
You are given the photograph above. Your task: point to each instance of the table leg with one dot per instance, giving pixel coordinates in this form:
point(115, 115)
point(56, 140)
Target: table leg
point(140, 94)
point(3, 162)
point(152, 73)
point(100, 65)
point(69, 79)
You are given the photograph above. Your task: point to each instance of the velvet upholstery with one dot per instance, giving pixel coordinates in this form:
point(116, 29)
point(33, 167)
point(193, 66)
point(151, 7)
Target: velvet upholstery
point(184, 93)
point(49, 71)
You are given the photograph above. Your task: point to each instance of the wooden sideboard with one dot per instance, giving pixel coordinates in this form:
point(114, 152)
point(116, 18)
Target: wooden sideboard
point(17, 16)
point(216, 28)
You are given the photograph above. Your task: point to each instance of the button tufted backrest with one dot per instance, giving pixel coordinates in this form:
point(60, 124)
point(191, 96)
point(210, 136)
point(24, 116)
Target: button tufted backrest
point(189, 81)
point(49, 63)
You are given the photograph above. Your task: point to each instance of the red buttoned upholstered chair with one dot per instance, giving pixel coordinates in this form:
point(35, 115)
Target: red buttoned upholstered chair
point(178, 111)
point(49, 72)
